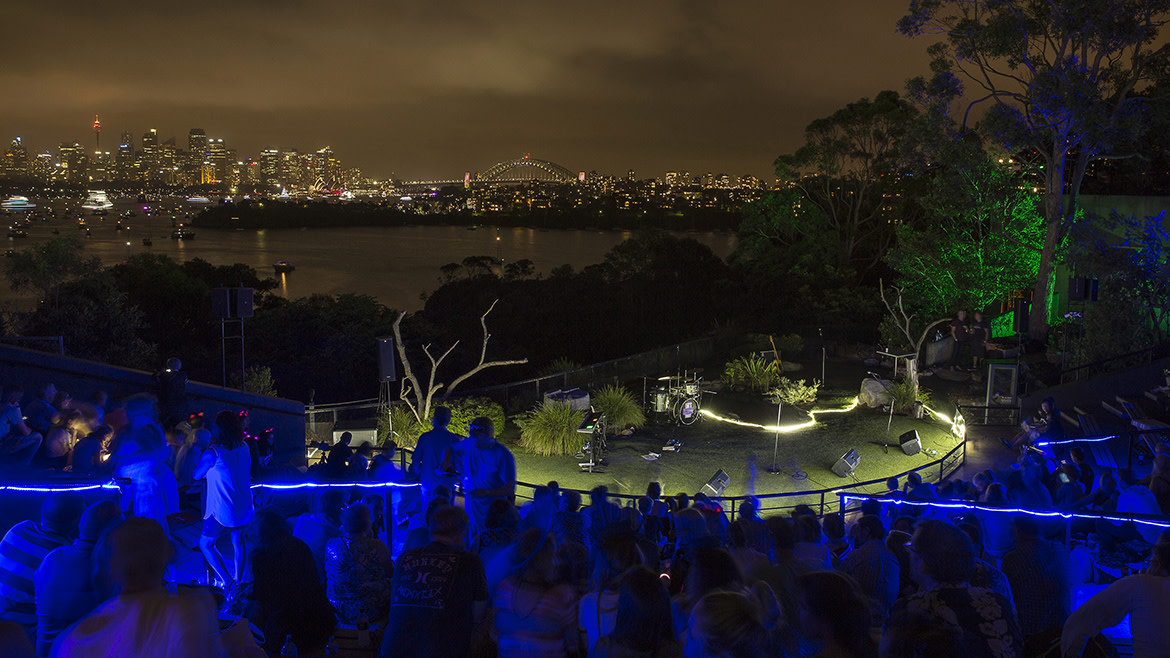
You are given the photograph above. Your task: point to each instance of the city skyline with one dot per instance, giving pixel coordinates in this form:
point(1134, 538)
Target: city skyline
point(428, 92)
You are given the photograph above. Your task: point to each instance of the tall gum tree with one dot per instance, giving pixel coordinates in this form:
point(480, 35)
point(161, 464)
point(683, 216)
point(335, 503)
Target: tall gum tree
point(1057, 77)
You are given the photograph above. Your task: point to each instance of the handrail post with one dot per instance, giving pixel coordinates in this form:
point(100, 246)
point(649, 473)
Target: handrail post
point(822, 512)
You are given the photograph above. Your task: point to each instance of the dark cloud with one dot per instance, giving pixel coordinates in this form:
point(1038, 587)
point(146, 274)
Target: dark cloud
point(426, 89)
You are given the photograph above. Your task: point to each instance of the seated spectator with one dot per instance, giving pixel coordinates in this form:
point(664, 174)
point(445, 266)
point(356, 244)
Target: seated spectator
point(63, 435)
point(18, 442)
point(534, 614)
point(440, 595)
point(93, 408)
point(898, 543)
point(1144, 597)
point(713, 570)
point(1076, 455)
point(997, 528)
point(22, 550)
point(597, 610)
point(196, 440)
point(65, 591)
point(872, 565)
point(13, 642)
point(567, 524)
point(1159, 483)
point(1132, 499)
point(91, 453)
point(755, 531)
point(1068, 489)
point(943, 561)
point(322, 526)
point(40, 412)
point(286, 597)
point(750, 560)
point(144, 619)
point(727, 625)
point(1038, 571)
point(358, 569)
point(691, 533)
point(809, 551)
point(384, 468)
point(834, 528)
point(359, 462)
point(642, 624)
point(834, 612)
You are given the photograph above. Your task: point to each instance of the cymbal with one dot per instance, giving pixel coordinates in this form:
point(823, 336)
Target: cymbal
point(669, 378)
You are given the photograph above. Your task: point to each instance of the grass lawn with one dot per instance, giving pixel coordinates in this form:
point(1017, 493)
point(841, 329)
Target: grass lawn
point(804, 456)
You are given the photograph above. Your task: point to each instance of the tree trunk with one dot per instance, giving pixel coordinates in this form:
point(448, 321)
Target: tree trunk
point(1045, 280)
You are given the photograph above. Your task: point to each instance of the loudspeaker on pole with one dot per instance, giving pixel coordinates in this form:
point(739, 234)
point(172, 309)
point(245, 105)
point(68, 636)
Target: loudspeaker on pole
point(1020, 316)
point(386, 371)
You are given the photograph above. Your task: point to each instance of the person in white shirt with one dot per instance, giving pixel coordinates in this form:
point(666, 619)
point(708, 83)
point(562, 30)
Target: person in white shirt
point(1145, 597)
point(226, 465)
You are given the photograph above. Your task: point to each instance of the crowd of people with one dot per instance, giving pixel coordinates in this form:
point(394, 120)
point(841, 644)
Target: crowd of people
point(649, 576)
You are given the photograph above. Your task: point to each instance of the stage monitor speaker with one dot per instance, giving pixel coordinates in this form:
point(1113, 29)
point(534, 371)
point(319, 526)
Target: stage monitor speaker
point(718, 482)
point(227, 303)
point(910, 442)
point(847, 464)
point(1020, 316)
point(386, 371)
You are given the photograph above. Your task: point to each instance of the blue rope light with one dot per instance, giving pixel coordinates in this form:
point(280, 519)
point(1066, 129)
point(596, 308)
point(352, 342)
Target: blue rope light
point(845, 498)
point(345, 485)
point(1076, 440)
point(65, 488)
point(297, 485)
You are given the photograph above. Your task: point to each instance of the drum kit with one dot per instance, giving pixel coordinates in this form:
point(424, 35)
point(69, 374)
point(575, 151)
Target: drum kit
point(676, 399)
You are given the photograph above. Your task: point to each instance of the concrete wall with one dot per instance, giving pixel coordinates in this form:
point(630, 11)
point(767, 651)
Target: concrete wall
point(82, 378)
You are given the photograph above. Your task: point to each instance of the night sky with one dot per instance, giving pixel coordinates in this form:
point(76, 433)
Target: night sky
point(430, 89)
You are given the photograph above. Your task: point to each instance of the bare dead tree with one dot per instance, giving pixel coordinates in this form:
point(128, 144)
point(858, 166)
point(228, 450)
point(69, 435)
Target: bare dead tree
point(419, 397)
point(903, 321)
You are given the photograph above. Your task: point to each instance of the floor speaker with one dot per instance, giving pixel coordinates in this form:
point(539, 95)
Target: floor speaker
point(718, 483)
point(847, 464)
point(910, 442)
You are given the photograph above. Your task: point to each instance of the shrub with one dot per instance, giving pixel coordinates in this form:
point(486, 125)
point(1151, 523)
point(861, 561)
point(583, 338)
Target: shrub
point(752, 371)
point(551, 429)
point(619, 406)
point(902, 392)
point(406, 427)
point(795, 392)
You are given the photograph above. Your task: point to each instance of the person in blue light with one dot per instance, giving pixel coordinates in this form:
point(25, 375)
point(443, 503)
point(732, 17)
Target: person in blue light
point(486, 469)
point(226, 465)
point(427, 461)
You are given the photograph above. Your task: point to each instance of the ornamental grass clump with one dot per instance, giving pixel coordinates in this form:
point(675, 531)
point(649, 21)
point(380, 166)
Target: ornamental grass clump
point(753, 372)
point(551, 429)
point(620, 408)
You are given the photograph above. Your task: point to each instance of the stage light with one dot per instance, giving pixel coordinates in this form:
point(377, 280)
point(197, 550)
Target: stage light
point(953, 505)
point(65, 488)
point(1076, 440)
point(327, 485)
point(783, 429)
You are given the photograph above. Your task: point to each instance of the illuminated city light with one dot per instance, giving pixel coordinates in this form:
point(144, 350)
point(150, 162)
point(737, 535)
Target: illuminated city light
point(951, 505)
point(783, 429)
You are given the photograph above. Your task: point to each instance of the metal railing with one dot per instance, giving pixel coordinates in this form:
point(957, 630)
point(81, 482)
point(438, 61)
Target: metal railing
point(984, 415)
point(825, 501)
point(1113, 363)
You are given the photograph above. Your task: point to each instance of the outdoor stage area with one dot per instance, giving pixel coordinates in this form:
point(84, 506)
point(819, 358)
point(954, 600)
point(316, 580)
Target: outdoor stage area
point(806, 450)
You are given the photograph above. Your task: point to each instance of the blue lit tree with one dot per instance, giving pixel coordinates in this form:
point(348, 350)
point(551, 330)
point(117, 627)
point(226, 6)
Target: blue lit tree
point(1060, 79)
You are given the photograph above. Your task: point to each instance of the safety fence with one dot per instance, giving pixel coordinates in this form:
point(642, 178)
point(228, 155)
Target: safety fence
point(823, 501)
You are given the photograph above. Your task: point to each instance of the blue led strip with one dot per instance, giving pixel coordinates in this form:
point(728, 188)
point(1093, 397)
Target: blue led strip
point(845, 498)
point(298, 485)
point(1082, 439)
point(343, 485)
point(44, 489)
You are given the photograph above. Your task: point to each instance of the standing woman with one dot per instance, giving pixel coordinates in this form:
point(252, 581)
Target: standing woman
point(226, 465)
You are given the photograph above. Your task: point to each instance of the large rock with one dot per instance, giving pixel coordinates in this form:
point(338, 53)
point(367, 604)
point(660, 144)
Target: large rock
point(873, 392)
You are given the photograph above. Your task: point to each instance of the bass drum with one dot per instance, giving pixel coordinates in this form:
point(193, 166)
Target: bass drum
point(685, 411)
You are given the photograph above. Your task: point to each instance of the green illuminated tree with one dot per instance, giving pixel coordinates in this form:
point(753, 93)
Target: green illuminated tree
point(1058, 79)
point(983, 240)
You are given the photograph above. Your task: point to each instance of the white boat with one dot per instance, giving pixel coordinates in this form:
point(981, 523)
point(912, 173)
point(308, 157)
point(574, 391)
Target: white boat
point(16, 202)
point(198, 199)
point(97, 200)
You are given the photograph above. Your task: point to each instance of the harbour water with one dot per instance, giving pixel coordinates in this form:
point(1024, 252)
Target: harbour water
point(396, 265)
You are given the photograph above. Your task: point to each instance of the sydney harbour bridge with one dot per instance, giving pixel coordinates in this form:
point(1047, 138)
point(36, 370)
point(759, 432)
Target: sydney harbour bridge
point(524, 169)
